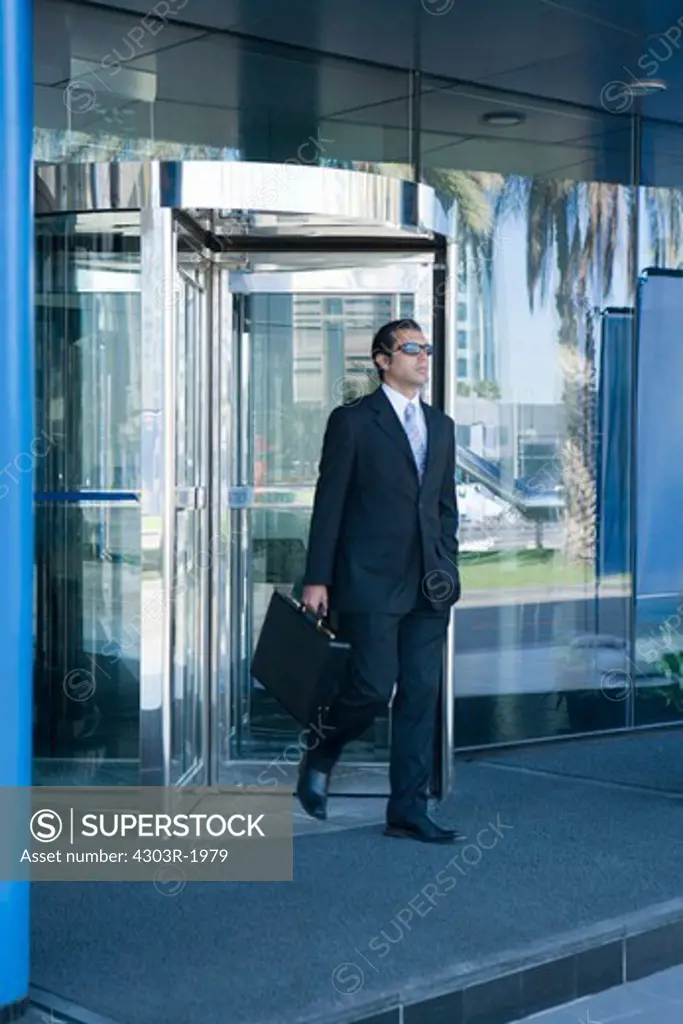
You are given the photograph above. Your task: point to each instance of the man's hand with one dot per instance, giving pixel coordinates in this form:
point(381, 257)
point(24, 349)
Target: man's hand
point(315, 598)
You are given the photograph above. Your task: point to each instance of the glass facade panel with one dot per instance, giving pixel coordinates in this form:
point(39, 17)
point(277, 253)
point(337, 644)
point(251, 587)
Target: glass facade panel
point(557, 245)
point(88, 366)
point(658, 660)
point(661, 158)
point(135, 89)
point(87, 644)
point(88, 553)
point(459, 134)
point(542, 635)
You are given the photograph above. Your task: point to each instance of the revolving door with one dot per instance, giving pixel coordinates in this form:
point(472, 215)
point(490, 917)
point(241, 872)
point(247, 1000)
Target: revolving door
point(197, 323)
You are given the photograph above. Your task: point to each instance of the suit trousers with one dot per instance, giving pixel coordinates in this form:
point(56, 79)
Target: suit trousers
point(406, 650)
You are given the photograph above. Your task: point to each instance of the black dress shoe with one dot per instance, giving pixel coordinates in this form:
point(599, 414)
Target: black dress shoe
point(424, 830)
point(453, 833)
point(312, 792)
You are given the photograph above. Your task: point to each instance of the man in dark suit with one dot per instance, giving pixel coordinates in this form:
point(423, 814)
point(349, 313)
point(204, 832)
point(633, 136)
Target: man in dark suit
point(382, 556)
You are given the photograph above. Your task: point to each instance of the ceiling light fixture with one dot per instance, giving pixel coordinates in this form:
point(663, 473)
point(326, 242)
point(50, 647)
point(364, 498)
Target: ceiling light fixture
point(646, 86)
point(500, 119)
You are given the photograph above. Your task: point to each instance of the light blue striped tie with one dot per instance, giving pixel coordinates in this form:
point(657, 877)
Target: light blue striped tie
point(416, 442)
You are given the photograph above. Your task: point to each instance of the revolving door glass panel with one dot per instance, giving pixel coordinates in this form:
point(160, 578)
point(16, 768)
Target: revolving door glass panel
point(189, 607)
point(86, 465)
point(303, 338)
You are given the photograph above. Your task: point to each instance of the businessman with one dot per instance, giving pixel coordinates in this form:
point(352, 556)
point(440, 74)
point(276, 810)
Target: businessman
point(382, 557)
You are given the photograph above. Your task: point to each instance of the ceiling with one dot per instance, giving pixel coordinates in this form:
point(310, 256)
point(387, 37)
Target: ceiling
point(185, 79)
point(560, 49)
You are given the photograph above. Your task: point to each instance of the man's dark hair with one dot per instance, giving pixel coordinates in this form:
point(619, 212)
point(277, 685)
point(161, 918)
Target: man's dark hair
point(385, 338)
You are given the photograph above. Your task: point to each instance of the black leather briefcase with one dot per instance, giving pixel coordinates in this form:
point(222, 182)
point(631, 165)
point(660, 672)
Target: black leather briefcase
point(298, 658)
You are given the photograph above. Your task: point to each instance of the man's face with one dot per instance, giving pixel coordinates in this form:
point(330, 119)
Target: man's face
point(405, 368)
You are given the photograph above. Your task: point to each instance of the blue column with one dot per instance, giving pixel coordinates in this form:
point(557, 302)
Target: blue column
point(16, 450)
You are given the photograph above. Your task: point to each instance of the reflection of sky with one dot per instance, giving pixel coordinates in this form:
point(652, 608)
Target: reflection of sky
point(527, 342)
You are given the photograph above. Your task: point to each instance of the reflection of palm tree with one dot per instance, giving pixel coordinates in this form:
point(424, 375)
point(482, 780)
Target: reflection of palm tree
point(573, 228)
point(472, 192)
point(469, 189)
point(573, 231)
point(663, 208)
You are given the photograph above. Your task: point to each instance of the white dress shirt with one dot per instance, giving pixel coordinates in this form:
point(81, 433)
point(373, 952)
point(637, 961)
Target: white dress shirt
point(399, 403)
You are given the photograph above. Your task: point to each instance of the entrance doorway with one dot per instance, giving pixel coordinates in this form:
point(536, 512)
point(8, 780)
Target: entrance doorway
point(244, 298)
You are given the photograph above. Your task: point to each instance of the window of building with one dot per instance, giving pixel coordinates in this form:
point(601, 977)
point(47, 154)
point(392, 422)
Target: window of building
point(407, 306)
point(490, 432)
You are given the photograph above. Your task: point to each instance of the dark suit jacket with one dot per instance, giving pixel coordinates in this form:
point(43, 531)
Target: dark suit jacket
point(377, 536)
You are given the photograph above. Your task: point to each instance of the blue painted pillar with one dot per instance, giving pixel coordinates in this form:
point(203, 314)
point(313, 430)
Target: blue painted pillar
point(16, 449)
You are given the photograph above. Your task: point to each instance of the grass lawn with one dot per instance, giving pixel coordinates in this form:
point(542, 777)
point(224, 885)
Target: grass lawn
point(516, 569)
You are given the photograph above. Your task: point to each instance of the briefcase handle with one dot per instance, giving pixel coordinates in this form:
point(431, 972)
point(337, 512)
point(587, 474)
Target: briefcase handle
point(319, 622)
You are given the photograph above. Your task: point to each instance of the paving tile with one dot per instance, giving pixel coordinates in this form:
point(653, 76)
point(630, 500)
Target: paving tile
point(556, 1016)
point(654, 1000)
point(34, 1015)
point(669, 1015)
point(668, 985)
point(626, 1003)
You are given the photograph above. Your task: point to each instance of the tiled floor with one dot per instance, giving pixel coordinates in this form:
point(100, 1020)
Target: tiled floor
point(654, 1000)
point(36, 1015)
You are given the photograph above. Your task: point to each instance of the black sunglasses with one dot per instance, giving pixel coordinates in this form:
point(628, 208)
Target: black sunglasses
point(411, 348)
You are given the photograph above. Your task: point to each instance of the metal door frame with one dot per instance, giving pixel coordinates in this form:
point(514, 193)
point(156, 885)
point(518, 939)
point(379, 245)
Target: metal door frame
point(241, 771)
point(197, 496)
point(160, 272)
point(391, 215)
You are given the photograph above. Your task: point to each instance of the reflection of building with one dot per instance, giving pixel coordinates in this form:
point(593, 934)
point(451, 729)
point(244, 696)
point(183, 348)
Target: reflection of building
point(345, 323)
point(522, 440)
point(310, 351)
point(475, 338)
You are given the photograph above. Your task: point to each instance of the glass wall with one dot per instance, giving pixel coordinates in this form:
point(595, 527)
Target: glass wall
point(133, 89)
point(557, 241)
point(658, 611)
point(88, 560)
point(542, 635)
